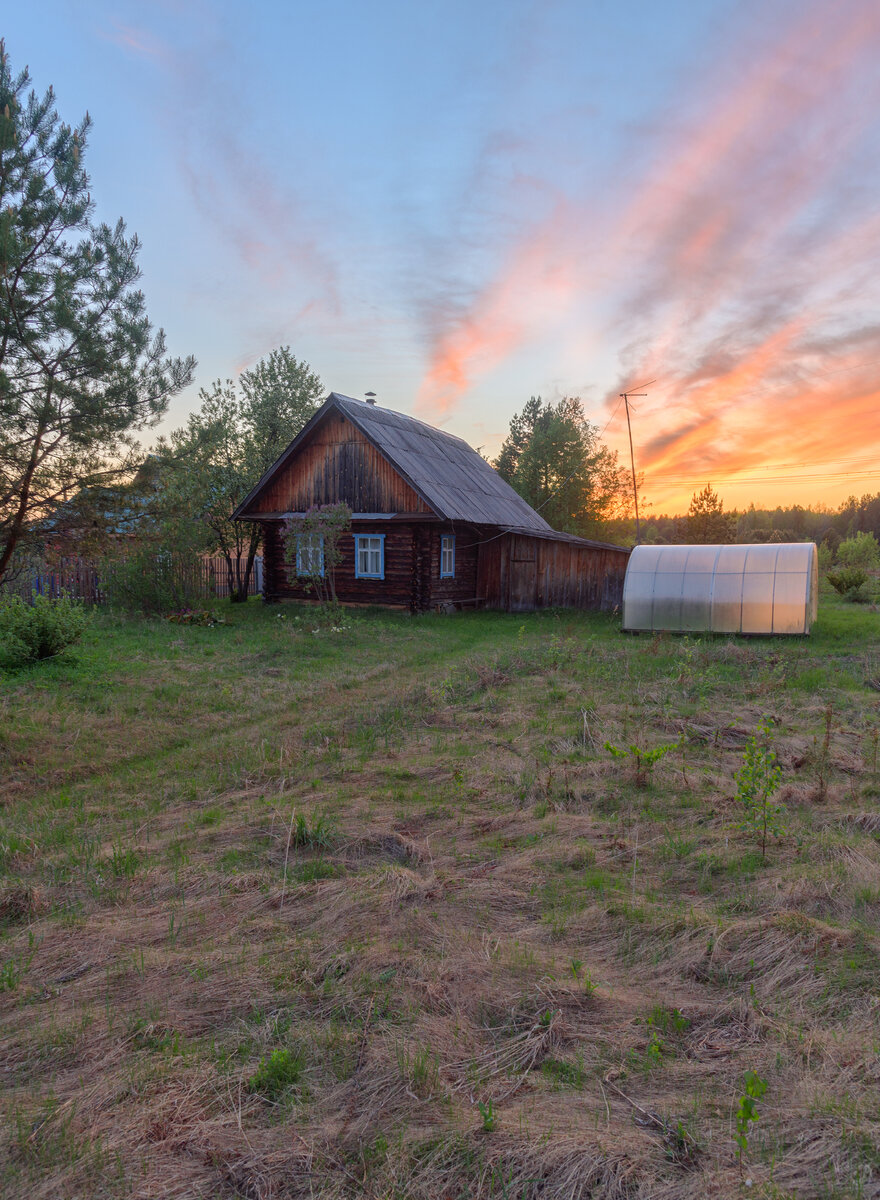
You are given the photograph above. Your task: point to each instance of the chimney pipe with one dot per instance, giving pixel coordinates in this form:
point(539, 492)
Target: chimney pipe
point(370, 397)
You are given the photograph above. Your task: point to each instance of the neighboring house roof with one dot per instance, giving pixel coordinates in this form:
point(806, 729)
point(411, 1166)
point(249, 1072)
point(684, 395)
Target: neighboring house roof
point(112, 511)
point(444, 470)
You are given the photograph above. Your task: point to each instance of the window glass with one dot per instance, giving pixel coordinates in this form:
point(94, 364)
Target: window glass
point(370, 556)
point(310, 554)
point(447, 557)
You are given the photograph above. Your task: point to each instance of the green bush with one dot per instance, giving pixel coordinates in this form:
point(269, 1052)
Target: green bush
point(849, 582)
point(43, 629)
point(152, 581)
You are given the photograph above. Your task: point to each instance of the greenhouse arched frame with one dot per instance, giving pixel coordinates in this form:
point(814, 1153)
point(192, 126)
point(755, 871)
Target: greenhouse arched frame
point(749, 589)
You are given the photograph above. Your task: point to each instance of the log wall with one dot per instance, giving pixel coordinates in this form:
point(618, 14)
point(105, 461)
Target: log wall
point(407, 579)
point(512, 572)
point(463, 588)
point(412, 568)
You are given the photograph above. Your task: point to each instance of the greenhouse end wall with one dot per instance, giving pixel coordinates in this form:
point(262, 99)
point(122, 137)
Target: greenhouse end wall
point(770, 589)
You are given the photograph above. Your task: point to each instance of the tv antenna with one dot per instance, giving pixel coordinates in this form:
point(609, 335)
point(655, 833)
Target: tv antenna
point(624, 396)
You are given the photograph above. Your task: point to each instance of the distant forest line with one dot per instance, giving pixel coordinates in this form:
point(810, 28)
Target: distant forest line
point(793, 523)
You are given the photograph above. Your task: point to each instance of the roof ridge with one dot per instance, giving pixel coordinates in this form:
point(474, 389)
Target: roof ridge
point(376, 409)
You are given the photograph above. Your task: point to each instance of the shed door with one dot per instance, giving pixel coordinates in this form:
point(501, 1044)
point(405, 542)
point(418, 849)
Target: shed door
point(523, 574)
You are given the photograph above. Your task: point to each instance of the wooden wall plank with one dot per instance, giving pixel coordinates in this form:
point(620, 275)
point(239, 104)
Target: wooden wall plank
point(338, 464)
point(557, 575)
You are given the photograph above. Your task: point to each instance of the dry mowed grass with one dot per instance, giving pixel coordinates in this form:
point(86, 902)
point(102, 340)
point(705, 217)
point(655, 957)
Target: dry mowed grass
point(375, 913)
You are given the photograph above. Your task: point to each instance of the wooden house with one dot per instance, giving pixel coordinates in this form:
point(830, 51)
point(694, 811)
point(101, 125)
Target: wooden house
point(433, 524)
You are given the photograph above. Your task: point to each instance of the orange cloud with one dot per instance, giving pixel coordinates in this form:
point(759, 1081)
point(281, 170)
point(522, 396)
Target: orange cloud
point(828, 423)
point(734, 265)
point(711, 401)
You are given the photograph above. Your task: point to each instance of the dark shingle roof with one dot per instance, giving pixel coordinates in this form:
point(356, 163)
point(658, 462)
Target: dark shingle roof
point(447, 473)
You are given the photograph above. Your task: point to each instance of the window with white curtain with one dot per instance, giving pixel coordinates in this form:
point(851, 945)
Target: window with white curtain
point(310, 554)
point(369, 556)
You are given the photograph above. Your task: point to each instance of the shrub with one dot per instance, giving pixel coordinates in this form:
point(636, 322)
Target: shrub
point(152, 581)
point(643, 759)
point(43, 629)
point(848, 581)
point(859, 551)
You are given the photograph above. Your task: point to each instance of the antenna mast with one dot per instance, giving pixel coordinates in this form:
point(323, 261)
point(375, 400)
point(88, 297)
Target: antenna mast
point(625, 397)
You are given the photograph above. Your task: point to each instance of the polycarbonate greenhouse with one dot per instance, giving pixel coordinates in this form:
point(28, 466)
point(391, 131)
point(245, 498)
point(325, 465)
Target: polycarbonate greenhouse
point(722, 589)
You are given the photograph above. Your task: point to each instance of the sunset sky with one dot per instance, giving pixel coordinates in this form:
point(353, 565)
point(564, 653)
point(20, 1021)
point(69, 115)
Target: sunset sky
point(458, 205)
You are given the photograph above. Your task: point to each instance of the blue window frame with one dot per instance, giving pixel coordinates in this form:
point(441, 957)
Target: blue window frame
point(309, 554)
point(369, 556)
point(447, 556)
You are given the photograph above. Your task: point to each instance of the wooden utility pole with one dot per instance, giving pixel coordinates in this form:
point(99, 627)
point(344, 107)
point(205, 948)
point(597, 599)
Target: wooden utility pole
point(632, 459)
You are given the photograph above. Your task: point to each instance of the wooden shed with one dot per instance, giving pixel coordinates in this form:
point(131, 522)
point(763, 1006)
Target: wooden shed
point(433, 524)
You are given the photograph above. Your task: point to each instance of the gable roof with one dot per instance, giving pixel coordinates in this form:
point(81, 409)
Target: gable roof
point(444, 470)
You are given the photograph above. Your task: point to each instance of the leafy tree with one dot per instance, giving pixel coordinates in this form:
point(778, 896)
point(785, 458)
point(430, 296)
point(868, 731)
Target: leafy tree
point(859, 515)
point(861, 550)
point(707, 522)
point(80, 367)
point(280, 395)
point(831, 542)
point(219, 455)
point(792, 523)
point(553, 457)
point(747, 1112)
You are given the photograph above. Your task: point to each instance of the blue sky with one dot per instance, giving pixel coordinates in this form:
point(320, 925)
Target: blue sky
point(460, 205)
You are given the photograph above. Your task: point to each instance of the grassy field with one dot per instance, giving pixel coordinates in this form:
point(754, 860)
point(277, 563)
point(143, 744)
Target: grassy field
point(375, 912)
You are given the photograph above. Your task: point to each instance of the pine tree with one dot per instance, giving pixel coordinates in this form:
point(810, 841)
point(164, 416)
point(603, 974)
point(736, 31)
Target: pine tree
point(80, 367)
point(707, 522)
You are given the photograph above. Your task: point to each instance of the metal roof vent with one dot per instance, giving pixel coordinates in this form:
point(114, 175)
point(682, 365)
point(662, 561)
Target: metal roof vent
point(370, 397)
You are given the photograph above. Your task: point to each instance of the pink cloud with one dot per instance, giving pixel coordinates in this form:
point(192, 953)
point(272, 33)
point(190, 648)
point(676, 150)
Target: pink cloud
point(730, 256)
point(138, 41)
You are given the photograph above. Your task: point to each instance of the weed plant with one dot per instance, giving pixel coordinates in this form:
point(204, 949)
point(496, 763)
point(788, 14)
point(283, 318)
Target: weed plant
point(278, 1073)
point(747, 1111)
point(757, 781)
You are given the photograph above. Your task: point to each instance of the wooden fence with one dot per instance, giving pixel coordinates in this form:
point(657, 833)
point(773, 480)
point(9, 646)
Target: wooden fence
point(81, 579)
